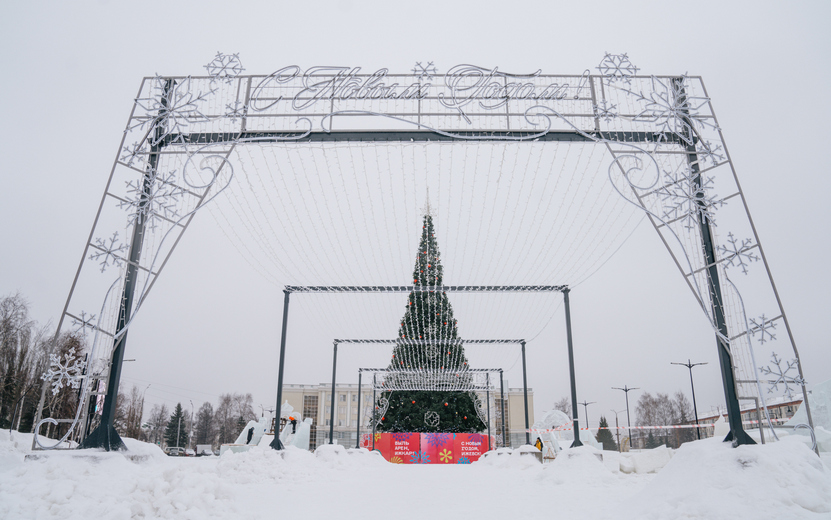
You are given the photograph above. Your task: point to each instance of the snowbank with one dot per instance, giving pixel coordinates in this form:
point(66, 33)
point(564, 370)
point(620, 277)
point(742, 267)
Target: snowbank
point(709, 479)
point(703, 480)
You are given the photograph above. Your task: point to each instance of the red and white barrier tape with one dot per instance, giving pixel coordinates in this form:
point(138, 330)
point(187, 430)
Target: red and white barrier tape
point(670, 427)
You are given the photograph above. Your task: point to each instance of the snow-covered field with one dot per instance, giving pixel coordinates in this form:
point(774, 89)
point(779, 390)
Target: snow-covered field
point(705, 479)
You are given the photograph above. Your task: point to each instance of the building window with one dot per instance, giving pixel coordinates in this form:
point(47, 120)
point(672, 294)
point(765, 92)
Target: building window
point(340, 422)
point(341, 410)
point(343, 398)
point(310, 410)
point(354, 398)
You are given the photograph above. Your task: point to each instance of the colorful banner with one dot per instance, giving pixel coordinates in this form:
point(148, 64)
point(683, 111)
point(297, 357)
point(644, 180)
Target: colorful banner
point(428, 448)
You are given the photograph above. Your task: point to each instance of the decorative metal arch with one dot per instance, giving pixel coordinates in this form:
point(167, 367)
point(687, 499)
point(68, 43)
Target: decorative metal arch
point(640, 119)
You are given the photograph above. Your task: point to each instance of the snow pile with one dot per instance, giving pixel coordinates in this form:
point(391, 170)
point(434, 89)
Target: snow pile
point(585, 462)
point(703, 480)
point(649, 461)
point(524, 457)
point(710, 479)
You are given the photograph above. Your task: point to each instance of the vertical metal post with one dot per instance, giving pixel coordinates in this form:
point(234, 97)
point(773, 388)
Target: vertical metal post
point(105, 435)
point(737, 433)
point(332, 406)
point(626, 390)
point(276, 444)
point(488, 401)
point(525, 395)
point(574, 402)
point(374, 419)
point(358, 428)
point(689, 364)
point(502, 405)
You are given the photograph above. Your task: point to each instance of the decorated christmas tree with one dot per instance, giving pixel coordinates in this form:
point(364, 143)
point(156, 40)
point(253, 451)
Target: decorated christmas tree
point(430, 353)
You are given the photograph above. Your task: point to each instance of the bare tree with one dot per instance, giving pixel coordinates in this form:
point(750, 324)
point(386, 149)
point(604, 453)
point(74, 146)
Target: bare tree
point(129, 410)
point(157, 422)
point(564, 405)
point(204, 427)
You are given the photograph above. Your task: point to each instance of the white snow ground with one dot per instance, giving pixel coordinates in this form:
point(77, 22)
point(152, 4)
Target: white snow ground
point(703, 480)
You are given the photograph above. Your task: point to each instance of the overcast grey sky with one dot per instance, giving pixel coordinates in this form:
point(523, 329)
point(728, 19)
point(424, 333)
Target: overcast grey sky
point(71, 72)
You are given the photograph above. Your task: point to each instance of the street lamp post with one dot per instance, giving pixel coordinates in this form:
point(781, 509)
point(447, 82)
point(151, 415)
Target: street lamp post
point(586, 410)
point(690, 366)
point(190, 437)
point(617, 429)
point(626, 389)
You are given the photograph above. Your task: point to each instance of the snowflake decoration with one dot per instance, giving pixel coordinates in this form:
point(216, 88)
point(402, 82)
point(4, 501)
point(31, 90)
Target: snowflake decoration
point(396, 460)
point(763, 327)
point(431, 419)
point(134, 155)
point(616, 67)
point(108, 251)
point(446, 456)
point(782, 376)
point(686, 197)
point(670, 107)
point(419, 457)
point(84, 322)
point(438, 440)
point(158, 201)
point(173, 111)
point(235, 111)
point(463, 460)
point(476, 437)
point(69, 373)
point(605, 111)
point(225, 67)
point(425, 72)
point(738, 254)
point(432, 351)
point(707, 152)
point(400, 436)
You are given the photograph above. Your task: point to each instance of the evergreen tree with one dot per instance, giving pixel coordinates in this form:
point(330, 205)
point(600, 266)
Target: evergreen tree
point(604, 435)
point(651, 442)
point(428, 316)
point(176, 433)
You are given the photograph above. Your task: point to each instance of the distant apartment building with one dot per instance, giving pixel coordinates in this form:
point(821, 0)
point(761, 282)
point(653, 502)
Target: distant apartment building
point(780, 408)
point(314, 401)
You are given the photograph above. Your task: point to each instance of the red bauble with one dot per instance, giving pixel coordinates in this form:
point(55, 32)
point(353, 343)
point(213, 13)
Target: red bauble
point(445, 404)
point(465, 417)
point(413, 402)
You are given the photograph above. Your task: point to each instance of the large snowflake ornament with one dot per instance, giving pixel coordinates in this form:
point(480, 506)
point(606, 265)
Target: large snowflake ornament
point(617, 67)
point(224, 67)
point(69, 373)
point(738, 254)
point(172, 108)
point(782, 375)
point(159, 199)
point(669, 106)
point(763, 327)
point(686, 197)
point(107, 250)
point(425, 72)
